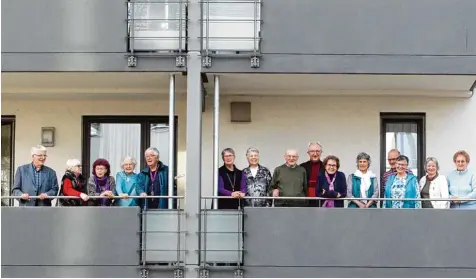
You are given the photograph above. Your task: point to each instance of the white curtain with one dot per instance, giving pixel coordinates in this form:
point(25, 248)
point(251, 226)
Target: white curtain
point(114, 142)
point(159, 138)
point(403, 136)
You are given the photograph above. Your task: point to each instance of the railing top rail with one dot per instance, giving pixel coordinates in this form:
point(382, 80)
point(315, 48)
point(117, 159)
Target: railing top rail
point(97, 197)
point(341, 199)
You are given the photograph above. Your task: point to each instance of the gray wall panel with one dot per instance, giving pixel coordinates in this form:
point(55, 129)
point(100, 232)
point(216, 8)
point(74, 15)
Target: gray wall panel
point(423, 27)
point(70, 236)
point(71, 272)
point(64, 26)
point(359, 238)
point(344, 272)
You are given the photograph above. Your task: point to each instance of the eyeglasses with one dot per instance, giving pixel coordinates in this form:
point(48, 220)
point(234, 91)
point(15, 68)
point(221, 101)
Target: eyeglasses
point(461, 162)
point(331, 166)
point(41, 155)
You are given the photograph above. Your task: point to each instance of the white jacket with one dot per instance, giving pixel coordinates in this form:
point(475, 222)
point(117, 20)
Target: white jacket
point(438, 190)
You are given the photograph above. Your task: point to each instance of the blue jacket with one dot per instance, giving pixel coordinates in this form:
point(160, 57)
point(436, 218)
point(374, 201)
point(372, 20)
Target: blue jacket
point(160, 188)
point(127, 184)
point(356, 181)
point(340, 187)
point(25, 183)
point(411, 191)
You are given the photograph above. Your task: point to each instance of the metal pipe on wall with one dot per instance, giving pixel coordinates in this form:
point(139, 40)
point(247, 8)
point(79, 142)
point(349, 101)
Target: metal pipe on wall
point(171, 139)
point(216, 138)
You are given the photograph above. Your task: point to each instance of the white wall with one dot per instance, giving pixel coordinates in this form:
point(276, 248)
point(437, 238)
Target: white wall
point(344, 125)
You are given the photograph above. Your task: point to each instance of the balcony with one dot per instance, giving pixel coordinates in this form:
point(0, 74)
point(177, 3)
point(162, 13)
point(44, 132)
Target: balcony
point(254, 242)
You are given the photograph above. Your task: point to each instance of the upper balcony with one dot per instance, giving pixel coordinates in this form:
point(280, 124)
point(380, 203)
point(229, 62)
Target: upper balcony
point(91, 35)
point(340, 36)
point(425, 37)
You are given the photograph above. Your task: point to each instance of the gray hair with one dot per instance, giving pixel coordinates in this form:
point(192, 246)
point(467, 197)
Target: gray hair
point(129, 158)
point(229, 150)
point(72, 163)
point(153, 150)
point(314, 143)
point(434, 160)
point(252, 150)
point(363, 156)
point(37, 149)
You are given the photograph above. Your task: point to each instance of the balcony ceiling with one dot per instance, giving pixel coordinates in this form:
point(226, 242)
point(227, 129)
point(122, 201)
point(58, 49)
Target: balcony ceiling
point(151, 85)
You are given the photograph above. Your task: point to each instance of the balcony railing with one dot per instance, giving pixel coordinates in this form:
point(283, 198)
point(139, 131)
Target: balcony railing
point(157, 27)
point(230, 28)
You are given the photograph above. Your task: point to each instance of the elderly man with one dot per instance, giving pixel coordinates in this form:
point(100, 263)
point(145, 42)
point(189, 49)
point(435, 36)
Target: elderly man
point(154, 180)
point(289, 180)
point(314, 169)
point(392, 161)
point(35, 179)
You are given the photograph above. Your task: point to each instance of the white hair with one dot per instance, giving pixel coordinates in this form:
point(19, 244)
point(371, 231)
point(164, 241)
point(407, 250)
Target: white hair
point(314, 143)
point(252, 150)
point(38, 149)
point(129, 158)
point(153, 150)
point(291, 150)
point(72, 163)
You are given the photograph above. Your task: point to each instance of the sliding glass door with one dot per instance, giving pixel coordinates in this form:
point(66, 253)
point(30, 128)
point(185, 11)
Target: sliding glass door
point(115, 137)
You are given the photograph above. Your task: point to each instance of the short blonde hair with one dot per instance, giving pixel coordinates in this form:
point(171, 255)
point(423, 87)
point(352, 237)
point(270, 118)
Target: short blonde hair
point(72, 163)
point(37, 149)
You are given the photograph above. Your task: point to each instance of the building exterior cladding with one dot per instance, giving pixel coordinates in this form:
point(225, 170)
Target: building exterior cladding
point(312, 69)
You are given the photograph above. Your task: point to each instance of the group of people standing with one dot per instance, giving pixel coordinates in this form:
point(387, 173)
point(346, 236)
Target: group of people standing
point(36, 179)
point(316, 178)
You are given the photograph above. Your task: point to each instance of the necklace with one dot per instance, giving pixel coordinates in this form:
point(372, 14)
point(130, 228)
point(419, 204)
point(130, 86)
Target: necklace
point(234, 180)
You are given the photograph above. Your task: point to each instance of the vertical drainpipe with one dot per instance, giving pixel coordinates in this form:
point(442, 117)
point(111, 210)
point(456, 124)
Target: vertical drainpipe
point(171, 139)
point(216, 138)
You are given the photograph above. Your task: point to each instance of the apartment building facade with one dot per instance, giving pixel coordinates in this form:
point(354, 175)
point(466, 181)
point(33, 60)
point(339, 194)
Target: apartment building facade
point(115, 77)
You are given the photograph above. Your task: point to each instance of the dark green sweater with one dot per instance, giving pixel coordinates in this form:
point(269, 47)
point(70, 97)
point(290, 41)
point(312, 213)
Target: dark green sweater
point(291, 181)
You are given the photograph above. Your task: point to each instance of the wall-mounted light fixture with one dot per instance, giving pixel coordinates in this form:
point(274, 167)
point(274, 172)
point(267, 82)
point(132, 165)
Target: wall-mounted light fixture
point(48, 136)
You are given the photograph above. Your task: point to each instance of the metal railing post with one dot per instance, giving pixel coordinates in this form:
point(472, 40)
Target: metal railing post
point(216, 138)
point(171, 140)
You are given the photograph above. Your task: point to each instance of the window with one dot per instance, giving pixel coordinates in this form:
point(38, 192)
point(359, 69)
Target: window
point(405, 132)
point(156, 26)
point(114, 137)
point(231, 25)
point(8, 142)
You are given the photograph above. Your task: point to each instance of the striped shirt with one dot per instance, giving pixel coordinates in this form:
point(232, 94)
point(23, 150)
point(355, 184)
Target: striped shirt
point(385, 177)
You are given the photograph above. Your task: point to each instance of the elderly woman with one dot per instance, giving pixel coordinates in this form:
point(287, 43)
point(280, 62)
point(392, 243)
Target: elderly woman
point(73, 185)
point(363, 184)
point(433, 186)
point(258, 179)
point(402, 185)
point(101, 183)
point(127, 183)
point(231, 181)
point(155, 180)
point(332, 184)
point(462, 182)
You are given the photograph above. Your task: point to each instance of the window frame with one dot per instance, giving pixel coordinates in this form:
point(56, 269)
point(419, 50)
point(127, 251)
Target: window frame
point(144, 121)
point(403, 117)
point(11, 120)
